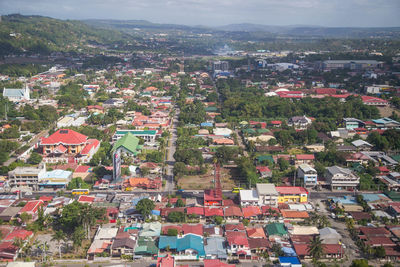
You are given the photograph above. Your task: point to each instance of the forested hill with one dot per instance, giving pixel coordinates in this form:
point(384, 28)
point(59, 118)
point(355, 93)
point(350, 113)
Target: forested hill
point(37, 34)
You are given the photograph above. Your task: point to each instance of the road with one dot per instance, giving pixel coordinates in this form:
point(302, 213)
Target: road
point(33, 141)
point(169, 175)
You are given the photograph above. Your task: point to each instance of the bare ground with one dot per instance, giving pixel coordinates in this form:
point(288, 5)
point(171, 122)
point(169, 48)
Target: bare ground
point(206, 180)
point(387, 111)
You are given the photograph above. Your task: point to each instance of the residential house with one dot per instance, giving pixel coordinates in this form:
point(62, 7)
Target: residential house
point(299, 122)
point(308, 174)
point(238, 244)
point(352, 123)
point(215, 248)
point(276, 231)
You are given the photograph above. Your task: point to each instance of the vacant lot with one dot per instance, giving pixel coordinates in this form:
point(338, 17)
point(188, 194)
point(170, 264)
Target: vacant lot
point(387, 111)
point(206, 180)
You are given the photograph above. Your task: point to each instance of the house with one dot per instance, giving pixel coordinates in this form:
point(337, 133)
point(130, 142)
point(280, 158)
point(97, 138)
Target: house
point(256, 232)
point(216, 263)
point(238, 244)
point(31, 207)
point(341, 178)
point(146, 246)
point(235, 227)
point(299, 122)
point(167, 261)
point(251, 212)
point(386, 123)
point(292, 194)
point(66, 145)
point(289, 262)
point(199, 211)
point(149, 136)
point(357, 157)
point(248, 197)
point(294, 215)
point(188, 247)
point(362, 145)
point(150, 229)
point(215, 248)
point(259, 245)
point(196, 229)
point(308, 174)
point(233, 212)
point(276, 231)
point(304, 159)
point(128, 145)
point(352, 123)
point(17, 95)
point(329, 236)
point(267, 194)
point(264, 171)
point(374, 101)
point(123, 246)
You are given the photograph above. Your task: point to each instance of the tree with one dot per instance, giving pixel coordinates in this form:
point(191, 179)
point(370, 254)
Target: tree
point(283, 164)
point(145, 206)
point(35, 158)
point(359, 263)
point(179, 203)
point(245, 222)
point(218, 220)
point(277, 249)
point(77, 183)
point(18, 242)
point(315, 248)
point(172, 232)
point(380, 252)
point(25, 217)
point(176, 217)
point(179, 169)
point(58, 236)
point(78, 236)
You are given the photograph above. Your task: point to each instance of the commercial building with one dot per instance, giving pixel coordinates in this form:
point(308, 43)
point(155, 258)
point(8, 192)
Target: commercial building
point(350, 64)
point(149, 136)
point(16, 95)
point(55, 179)
point(292, 194)
point(341, 178)
point(26, 176)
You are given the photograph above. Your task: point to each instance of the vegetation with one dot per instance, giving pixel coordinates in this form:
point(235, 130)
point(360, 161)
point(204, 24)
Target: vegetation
point(145, 206)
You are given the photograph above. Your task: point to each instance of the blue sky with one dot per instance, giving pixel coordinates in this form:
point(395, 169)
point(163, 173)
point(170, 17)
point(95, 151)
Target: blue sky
point(338, 13)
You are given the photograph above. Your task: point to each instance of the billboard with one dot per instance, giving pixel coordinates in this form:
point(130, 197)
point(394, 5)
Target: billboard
point(117, 164)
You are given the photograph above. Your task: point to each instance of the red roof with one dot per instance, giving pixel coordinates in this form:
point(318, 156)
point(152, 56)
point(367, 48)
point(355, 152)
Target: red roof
point(266, 210)
point(168, 261)
point(92, 143)
point(275, 122)
point(263, 169)
point(82, 168)
point(374, 231)
point(380, 241)
point(31, 207)
point(251, 211)
point(237, 238)
point(216, 263)
point(234, 227)
point(195, 210)
point(64, 136)
point(233, 211)
point(371, 99)
point(291, 190)
point(196, 229)
point(166, 211)
point(305, 157)
point(88, 199)
point(325, 91)
point(209, 212)
point(167, 227)
point(294, 214)
point(19, 233)
point(257, 232)
point(61, 148)
point(46, 198)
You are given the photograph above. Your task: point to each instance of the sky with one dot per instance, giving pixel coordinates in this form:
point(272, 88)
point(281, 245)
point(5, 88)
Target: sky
point(331, 13)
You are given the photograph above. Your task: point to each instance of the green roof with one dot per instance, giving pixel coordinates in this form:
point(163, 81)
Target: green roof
point(128, 142)
point(395, 196)
point(146, 245)
point(276, 229)
point(262, 131)
point(396, 157)
point(211, 109)
point(137, 132)
point(249, 131)
point(265, 157)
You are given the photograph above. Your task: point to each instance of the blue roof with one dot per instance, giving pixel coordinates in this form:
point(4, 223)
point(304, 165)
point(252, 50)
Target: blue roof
point(345, 200)
point(136, 200)
point(156, 212)
point(191, 241)
point(167, 241)
point(291, 260)
point(289, 251)
point(206, 124)
point(373, 197)
point(57, 174)
point(385, 120)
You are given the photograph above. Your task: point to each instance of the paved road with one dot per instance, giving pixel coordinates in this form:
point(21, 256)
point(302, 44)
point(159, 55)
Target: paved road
point(169, 186)
point(33, 141)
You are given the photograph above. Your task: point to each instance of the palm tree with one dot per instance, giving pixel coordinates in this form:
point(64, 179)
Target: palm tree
point(19, 243)
point(315, 249)
point(58, 236)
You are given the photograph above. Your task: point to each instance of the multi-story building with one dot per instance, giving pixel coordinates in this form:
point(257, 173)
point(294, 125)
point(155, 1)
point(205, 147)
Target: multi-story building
point(66, 145)
point(308, 174)
point(267, 194)
point(149, 136)
point(341, 178)
point(350, 64)
point(26, 176)
point(292, 194)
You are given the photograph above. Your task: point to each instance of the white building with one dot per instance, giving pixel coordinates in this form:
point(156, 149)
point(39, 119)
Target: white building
point(341, 178)
point(16, 95)
point(308, 174)
point(264, 194)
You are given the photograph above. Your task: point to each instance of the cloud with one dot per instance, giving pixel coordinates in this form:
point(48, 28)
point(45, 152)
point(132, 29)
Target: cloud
point(211, 12)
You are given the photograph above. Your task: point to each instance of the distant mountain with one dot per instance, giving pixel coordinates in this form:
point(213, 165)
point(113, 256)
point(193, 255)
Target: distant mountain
point(37, 34)
point(318, 31)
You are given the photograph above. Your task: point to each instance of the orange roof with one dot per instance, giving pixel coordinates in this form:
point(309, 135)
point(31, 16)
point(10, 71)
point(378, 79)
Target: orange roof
point(224, 141)
point(294, 214)
point(135, 182)
point(257, 232)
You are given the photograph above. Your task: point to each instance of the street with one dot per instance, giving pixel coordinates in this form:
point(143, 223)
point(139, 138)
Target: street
point(170, 161)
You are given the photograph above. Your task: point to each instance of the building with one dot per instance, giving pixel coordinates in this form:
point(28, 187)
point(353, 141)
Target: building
point(292, 194)
point(16, 95)
point(249, 197)
point(341, 178)
point(68, 146)
point(352, 123)
point(386, 123)
point(374, 101)
point(26, 176)
point(128, 144)
point(308, 174)
point(55, 179)
point(267, 194)
point(149, 136)
point(350, 64)
point(299, 122)
point(220, 66)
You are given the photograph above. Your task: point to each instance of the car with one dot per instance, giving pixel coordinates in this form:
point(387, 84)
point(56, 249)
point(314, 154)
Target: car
point(181, 190)
point(234, 261)
point(195, 192)
point(236, 190)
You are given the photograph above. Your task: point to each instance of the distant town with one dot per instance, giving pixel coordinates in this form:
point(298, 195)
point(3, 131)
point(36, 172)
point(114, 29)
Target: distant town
point(242, 157)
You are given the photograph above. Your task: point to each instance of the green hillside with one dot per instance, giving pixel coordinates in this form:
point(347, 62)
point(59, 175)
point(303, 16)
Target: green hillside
point(37, 34)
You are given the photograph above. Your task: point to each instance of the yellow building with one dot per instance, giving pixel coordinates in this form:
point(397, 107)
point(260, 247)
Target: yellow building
point(292, 194)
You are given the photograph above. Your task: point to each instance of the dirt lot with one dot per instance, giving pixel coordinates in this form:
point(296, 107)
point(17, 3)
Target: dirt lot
point(387, 111)
point(207, 180)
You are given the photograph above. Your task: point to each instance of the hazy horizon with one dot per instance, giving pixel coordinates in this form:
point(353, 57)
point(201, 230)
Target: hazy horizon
point(333, 13)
